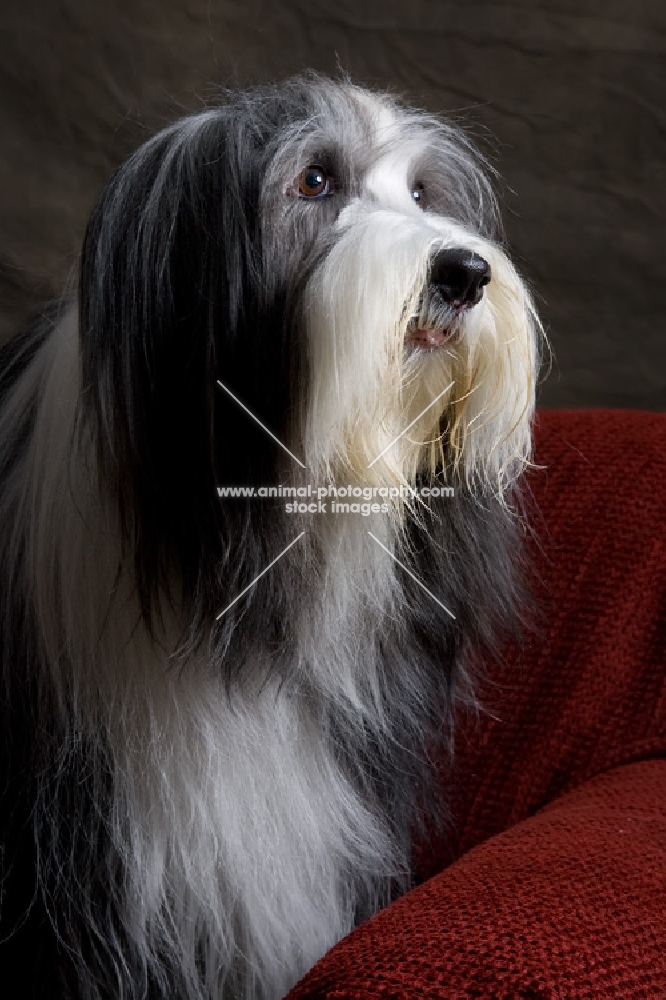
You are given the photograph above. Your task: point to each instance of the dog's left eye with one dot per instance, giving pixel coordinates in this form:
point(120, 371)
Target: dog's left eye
point(418, 194)
point(314, 182)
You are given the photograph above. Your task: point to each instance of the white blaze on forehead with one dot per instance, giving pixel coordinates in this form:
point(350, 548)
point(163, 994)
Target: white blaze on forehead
point(390, 179)
point(392, 152)
point(379, 110)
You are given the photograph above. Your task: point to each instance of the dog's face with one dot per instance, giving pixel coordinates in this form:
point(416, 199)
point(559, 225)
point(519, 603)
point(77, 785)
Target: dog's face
point(414, 316)
point(330, 257)
point(379, 221)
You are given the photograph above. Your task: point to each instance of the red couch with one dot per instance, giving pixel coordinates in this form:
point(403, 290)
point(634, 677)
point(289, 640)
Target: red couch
point(552, 880)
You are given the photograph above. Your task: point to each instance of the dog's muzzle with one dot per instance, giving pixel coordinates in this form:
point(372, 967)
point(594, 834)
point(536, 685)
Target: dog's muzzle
point(456, 281)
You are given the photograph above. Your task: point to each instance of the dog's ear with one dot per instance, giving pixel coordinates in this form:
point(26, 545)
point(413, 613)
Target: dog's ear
point(166, 257)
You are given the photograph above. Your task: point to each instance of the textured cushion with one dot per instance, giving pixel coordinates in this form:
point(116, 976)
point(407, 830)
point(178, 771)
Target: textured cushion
point(556, 852)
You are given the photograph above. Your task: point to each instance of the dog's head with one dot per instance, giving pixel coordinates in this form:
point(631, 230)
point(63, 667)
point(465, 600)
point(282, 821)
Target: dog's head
point(332, 259)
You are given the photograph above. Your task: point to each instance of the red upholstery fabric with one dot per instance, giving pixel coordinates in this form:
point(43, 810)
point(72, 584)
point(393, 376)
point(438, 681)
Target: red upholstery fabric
point(558, 834)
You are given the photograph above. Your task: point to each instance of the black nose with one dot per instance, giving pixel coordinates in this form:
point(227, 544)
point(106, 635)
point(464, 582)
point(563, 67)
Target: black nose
point(459, 275)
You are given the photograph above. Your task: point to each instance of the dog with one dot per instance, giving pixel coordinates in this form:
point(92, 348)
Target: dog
point(260, 521)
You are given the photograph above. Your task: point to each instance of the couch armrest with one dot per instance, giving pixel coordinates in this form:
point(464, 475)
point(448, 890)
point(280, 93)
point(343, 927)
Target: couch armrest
point(570, 903)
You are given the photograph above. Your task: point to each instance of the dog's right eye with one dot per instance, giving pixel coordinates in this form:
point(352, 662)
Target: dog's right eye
point(314, 182)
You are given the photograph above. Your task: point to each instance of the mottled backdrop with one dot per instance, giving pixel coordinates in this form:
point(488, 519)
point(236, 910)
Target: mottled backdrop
point(566, 96)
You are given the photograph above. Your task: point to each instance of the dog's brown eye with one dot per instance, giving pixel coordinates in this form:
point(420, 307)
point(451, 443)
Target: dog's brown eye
point(418, 194)
point(314, 182)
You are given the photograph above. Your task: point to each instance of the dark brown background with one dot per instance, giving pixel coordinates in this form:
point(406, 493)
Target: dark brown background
point(566, 95)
